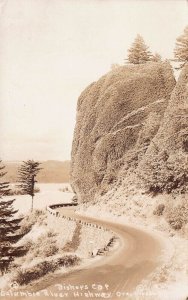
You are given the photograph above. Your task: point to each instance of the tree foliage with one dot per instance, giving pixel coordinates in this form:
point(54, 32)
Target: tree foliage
point(8, 227)
point(139, 53)
point(4, 186)
point(27, 177)
point(181, 49)
point(164, 173)
point(156, 57)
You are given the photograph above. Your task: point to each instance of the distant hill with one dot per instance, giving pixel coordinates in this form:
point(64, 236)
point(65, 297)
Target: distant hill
point(53, 171)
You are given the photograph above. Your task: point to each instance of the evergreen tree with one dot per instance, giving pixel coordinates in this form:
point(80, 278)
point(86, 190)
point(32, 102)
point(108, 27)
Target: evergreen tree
point(4, 186)
point(138, 53)
point(27, 177)
point(181, 49)
point(8, 227)
point(156, 57)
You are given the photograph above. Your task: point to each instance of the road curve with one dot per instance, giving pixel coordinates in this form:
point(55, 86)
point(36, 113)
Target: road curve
point(113, 276)
point(118, 273)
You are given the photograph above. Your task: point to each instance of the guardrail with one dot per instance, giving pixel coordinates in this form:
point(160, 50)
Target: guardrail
point(54, 206)
point(51, 209)
point(57, 214)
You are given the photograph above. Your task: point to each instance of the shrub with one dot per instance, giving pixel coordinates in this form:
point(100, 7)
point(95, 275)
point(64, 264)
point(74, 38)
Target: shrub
point(51, 234)
point(164, 173)
point(45, 246)
point(177, 216)
point(158, 211)
point(37, 216)
point(25, 276)
point(50, 250)
point(68, 260)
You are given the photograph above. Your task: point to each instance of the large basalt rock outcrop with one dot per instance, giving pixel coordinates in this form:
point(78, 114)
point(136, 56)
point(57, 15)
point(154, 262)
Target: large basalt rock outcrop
point(173, 132)
point(117, 117)
point(165, 164)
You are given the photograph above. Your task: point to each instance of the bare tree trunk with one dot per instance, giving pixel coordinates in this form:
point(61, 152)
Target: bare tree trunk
point(32, 204)
point(33, 187)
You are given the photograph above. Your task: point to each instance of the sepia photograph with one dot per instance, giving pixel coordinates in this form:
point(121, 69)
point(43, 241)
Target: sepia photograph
point(94, 149)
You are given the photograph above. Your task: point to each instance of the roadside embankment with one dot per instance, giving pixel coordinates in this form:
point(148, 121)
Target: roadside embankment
point(84, 238)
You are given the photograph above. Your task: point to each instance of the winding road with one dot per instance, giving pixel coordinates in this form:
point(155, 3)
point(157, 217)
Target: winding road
point(113, 276)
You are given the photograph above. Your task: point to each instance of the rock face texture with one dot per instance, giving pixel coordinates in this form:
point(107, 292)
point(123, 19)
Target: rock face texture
point(117, 118)
point(165, 164)
point(172, 135)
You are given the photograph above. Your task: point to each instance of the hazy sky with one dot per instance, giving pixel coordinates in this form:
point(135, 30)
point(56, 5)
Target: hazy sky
point(52, 49)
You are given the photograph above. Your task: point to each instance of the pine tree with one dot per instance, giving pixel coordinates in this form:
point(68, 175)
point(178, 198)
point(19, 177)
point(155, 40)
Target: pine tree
point(181, 49)
point(27, 177)
point(156, 57)
point(4, 186)
point(138, 53)
point(8, 227)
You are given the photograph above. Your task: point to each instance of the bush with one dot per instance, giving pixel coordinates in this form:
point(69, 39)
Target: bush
point(177, 216)
point(158, 211)
point(26, 276)
point(50, 250)
point(164, 173)
point(37, 216)
point(23, 277)
point(51, 234)
point(45, 246)
point(68, 261)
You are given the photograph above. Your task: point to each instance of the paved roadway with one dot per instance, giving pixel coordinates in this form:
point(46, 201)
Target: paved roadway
point(112, 277)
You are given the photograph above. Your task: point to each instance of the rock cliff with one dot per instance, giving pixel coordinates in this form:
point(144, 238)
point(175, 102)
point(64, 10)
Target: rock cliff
point(120, 120)
point(165, 164)
point(172, 135)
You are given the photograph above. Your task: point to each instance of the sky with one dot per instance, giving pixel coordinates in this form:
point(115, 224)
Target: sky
point(50, 50)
